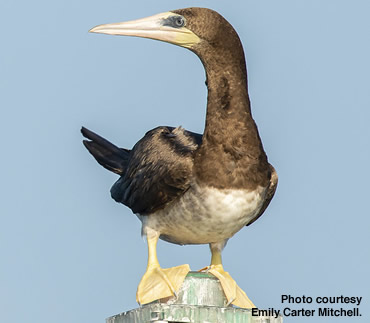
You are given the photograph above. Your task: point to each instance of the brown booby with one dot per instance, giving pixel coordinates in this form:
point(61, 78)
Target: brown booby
point(188, 188)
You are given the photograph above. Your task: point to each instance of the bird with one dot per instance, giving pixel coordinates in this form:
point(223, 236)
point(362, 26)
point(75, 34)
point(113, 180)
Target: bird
point(189, 188)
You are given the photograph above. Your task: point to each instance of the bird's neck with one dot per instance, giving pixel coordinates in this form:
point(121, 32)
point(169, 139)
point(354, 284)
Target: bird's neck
point(228, 100)
point(231, 140)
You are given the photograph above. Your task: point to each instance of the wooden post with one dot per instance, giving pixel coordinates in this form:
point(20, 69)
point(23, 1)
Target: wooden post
point(200, 300)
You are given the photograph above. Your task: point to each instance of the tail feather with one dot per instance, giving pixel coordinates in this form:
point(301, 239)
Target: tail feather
point(106, 154)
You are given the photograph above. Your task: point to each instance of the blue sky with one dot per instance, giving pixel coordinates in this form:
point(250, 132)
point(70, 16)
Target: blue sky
point(69, 253)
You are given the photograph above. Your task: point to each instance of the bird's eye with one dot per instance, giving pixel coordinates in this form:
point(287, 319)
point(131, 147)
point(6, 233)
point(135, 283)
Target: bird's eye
point(179, 21)
point(174, 21)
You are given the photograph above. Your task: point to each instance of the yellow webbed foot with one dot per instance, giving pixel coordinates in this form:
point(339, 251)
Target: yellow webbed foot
point(160, 283)
point(234, 294)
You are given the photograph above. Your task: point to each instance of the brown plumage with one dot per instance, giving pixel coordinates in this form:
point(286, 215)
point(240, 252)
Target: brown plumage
point(231, 154)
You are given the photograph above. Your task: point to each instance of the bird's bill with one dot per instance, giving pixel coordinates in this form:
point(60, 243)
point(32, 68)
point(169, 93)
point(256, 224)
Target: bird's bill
point(151, 27)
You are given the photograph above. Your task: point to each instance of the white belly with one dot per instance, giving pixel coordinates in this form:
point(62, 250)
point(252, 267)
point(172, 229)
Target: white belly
point(205, 215)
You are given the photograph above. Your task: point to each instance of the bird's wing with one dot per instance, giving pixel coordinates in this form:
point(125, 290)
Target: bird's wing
point(269, 195)
point(159, 170)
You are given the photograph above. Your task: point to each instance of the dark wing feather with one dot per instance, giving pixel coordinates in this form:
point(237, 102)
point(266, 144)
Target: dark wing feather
point(156, 171)
point(159, 170)
point(106, 154)
point(270, 193)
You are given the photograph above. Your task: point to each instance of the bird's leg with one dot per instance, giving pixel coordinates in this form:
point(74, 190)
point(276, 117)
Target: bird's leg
point(234, 294)
point(159, 283)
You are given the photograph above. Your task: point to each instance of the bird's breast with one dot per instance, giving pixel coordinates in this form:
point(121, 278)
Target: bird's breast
point(206, 214)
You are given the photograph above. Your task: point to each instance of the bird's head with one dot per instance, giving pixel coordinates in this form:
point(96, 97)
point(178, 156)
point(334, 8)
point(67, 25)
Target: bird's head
point(198, 29)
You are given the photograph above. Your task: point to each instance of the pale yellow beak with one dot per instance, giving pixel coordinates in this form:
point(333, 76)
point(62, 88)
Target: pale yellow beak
point(151, 27)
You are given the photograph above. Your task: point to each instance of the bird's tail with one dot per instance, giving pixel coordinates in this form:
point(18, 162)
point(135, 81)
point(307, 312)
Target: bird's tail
point(106, 154)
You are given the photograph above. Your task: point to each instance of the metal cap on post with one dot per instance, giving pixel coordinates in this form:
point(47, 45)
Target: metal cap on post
point(199, 300)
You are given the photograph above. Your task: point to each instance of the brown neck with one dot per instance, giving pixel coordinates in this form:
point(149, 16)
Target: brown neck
point(231, 147)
